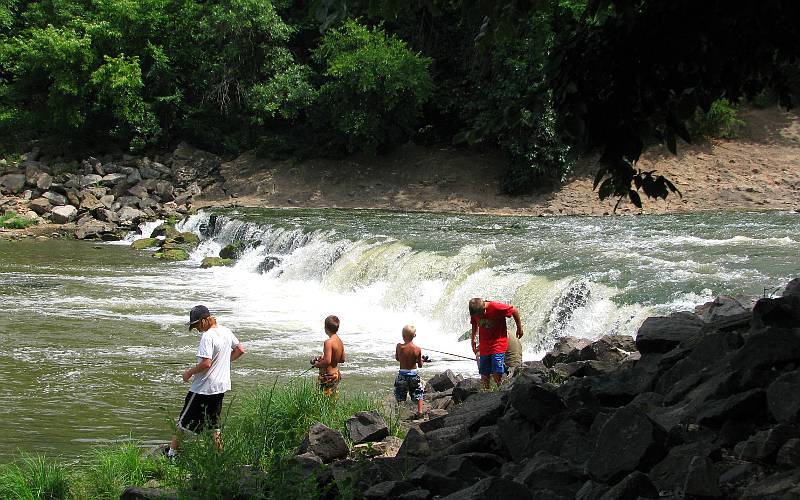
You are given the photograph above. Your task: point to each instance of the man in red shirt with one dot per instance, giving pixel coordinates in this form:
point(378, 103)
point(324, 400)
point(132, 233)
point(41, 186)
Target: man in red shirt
point(488, 318)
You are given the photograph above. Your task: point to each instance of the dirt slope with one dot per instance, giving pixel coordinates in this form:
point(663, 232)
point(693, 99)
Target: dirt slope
point(758, 170)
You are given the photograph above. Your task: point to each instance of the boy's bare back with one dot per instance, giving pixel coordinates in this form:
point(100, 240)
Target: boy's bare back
point(409, 356)
point(335, 346)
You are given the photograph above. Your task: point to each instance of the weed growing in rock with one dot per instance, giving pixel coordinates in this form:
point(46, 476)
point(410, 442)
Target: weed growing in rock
point(12, 220)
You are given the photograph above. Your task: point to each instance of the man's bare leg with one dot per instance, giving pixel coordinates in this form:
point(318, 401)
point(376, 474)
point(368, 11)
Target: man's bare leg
point(485, 382)
point(497, 377)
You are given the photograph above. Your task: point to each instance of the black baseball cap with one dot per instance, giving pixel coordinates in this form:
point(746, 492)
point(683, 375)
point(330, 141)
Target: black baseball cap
point(198, 313)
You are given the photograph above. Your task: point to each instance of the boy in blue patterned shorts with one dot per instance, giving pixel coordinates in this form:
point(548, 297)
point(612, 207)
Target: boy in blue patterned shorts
point(407, 381)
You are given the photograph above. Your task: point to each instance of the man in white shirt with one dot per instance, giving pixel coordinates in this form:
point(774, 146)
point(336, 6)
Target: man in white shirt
point(212, 376)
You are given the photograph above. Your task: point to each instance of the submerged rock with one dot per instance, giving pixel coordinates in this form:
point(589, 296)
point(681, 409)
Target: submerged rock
point(214, 262)
point(174, 254)
point(145, 243)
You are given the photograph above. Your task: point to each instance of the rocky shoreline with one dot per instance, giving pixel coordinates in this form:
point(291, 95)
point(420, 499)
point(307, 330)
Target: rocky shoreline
point(104, 198)
point(702, 404)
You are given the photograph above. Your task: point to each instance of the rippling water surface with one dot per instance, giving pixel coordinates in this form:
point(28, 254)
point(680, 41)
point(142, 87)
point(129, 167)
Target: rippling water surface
point(93, 337)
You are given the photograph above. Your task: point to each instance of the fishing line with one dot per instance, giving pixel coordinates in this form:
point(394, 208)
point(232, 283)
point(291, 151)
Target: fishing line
point(448, 353)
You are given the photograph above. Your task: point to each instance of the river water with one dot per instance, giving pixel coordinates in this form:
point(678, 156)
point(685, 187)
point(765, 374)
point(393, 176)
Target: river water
point(93, 337)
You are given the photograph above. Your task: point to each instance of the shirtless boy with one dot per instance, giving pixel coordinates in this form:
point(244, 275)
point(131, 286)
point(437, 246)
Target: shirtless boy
point(332, 355)
point(407, 381)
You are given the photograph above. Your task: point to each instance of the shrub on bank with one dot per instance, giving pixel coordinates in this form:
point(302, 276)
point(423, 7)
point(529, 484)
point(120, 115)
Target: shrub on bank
point(267, 424)
point(12, 220)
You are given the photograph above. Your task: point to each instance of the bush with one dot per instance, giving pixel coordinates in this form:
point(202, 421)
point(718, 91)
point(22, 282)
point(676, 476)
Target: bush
point(374, 87)
point(33, 478)
point(722, 120)
point(11, 220)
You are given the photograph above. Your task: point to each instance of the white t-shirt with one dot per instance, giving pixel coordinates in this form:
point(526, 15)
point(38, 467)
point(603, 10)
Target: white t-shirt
point(217, 344)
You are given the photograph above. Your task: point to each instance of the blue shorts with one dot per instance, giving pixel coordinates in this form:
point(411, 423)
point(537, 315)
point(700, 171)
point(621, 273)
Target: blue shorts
point(492, 363)
point(408, 384)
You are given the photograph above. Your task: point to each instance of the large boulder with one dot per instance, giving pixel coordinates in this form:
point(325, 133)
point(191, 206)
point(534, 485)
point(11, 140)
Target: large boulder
point(143, 243)
point(63, 214)
point(566, 350)
point(130, 214)
point(781, 312)
point(190, 164)
point(609, 348)
point(491, 487)
point(785, 485)
point(90, 203)
point(768, 348)
point(479, 410)
point(547, 471)
point(90, 180)
point(627, 441)
point(415, 445)
point(723, 312)
point(172, 254)
point(441, 381)
point(792, 288)
point(44, 181)
point(763, 446)
point(40, 205)
point(633, 486)
point(534, 398)
point(326, 443)
point(662, 334)
point(466, 388)
point(12, 183)
point(111, 180)
point(213, 262)
point(164, 191)
point(366, 427)
point(783, 397)
point(89, 228)
point(55, 198)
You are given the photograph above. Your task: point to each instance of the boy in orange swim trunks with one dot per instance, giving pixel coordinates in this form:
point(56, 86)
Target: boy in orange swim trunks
point(332, 355)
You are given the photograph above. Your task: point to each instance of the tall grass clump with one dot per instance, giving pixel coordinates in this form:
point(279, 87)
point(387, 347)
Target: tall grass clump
point(268, 424)
point(721, 120)
point(12, 220)
point(33, 477)
point(110, 469)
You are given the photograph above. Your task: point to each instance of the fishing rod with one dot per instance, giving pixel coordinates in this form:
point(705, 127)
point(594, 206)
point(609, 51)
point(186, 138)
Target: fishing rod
point(448, 353)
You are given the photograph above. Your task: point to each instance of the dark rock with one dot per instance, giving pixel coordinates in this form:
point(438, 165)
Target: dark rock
point(783, 397)
point(445, 437)
point(56, 199)
point(93, 229)
point(789, 454)
point(701, 479)
point(781, 312)
point(763, 446)
point(113, 179)
point(487, 440)
point(492, 487)
point(634, 485)
point(627, 441)
point(449, 474)
point(479, 410)
point(591, 490)
point(130, 214)
point(138, 191)
point(466, 388)
point(516, 433)
point(563, 437)
point(734, 431)
point(190, 164)
point(534, 398)
point(128, 201)
point(566, 350)
point(710, 349)
point(736, 407)
point(547, 471)
point(670, 473)
point(324, 442)
point(609, 348)
point(40, 205)
point(662, 334)
point(12, 183)
point(234, 250)
point(614, 389)
point(367, 427)
point(136, 493)
point(89, 180)
point(444, 381)
point(785, 485)
point(792, 288)
point(740, 473)
point(388, 489)
point(415, 445)
point(724, 312)
point(106, 216)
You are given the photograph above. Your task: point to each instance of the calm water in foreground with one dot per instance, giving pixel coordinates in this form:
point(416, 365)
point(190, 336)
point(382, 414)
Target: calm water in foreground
point(93, 337)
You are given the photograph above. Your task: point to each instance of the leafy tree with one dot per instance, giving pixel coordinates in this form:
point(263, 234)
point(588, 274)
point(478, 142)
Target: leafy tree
point(374, 86)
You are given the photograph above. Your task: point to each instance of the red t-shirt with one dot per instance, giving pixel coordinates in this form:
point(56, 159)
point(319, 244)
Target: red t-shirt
point(492, 329)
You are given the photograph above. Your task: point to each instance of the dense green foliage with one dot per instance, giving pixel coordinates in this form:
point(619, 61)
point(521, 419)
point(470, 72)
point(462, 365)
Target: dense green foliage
point(331, 77)
point(264, 427)
point(721, 120)
point(12, 220)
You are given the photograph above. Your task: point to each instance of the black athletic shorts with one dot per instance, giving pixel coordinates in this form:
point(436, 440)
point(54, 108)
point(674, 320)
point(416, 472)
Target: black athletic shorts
point(201, 412)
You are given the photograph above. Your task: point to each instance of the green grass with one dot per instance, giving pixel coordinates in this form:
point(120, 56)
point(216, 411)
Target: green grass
point(34, 477)
point(261, 428)
point(11, 220)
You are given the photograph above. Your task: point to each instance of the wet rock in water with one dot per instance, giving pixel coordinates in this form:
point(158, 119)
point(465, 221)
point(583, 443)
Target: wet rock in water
point(366, 426)
point(444, 381)
point(63, 214)
point(492, 487)
point(214, 262)
point(173, 254)
point(466, 388)
point(168, 231)
point(415, 445)
point(186, 238)
point(662, 334)
point(566, 350)
point(627, 441)
point(143, 243)
point(233, 250)
point(326, 443)
point(268, 264)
